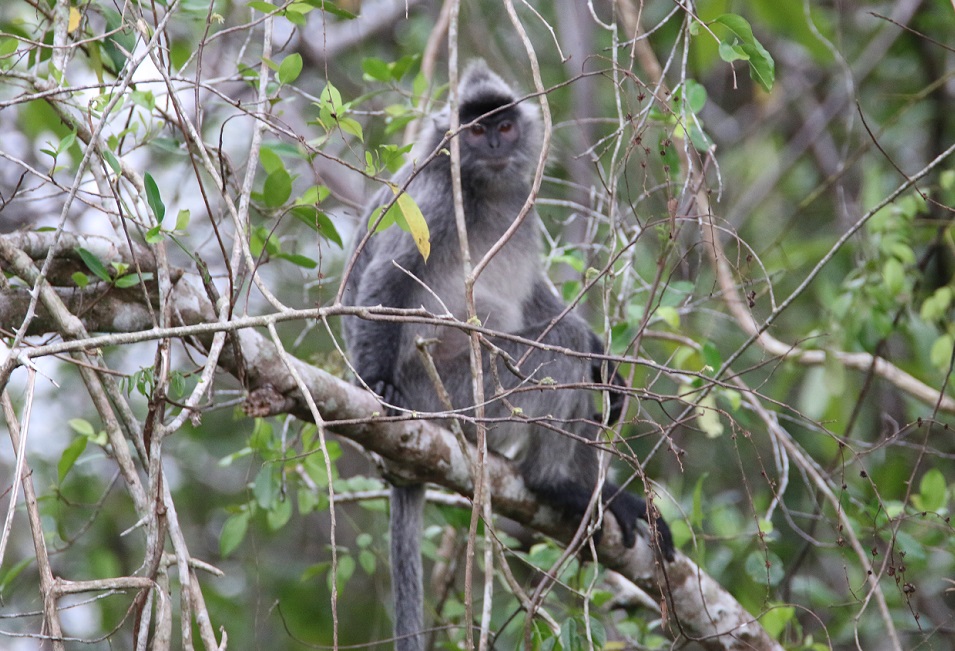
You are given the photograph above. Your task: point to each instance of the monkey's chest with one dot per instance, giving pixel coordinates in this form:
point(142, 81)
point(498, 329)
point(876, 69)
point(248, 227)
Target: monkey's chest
point(500, 301)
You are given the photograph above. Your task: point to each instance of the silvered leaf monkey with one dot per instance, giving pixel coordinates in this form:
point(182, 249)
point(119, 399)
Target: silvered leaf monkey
point(549, 441)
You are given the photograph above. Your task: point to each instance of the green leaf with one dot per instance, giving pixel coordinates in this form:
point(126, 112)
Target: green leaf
point(375, 69)
point(367, 561)
point(738, 25)
point(7, 47)
point(330, 7)
point(708, 417)
point(13, 571)
point(299, 260)
point(401, 67)
point(80, 278)
point(315, 467)
point(314, 570)
point(66, 142)
point(182, 220)
point(130, 280)
point(233, 532)
point(669, 315)
point(327, 229)
point(731, 53)
point(307, 500)
point(935, 307)
point(280, 515)
point(169, 145)
point(121, 39)
point(93, 264)
point(669, 154)
point(331, 98)
point(762, 68)
point(940, 354)
point(262, 439)
point(695, 95)
point(290, 69)
point(278, 188)
point(112, 161)
point(346, 568)
point(572, 260)
point(893, 276)
point(733, 397)
point(947, 179)
point(569, 637)
point(294, 16)
point(933, 492)
point(266, 487)
point(711, 355)
point(269, 160)
point(228, 460)
point(154, 235)
point(314, 194)
point(351, 127)
point(388, 219)
point(764, 568)
point(392, 156)
point(69, 457)
point(776, 619)
point(153, 198)
point(263, 7)
point(144, 98)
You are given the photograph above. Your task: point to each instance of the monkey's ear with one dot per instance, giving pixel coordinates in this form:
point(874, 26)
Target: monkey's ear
point(441, 122)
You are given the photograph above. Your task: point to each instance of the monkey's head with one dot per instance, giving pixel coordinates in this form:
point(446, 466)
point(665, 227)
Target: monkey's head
point(500, 139)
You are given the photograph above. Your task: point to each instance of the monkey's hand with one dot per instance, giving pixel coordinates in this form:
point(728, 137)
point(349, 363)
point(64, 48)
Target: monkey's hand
point(390, 395)
point(628, 510)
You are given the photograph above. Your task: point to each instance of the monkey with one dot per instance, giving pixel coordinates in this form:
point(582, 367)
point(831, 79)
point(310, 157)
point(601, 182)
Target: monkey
point(551, 441)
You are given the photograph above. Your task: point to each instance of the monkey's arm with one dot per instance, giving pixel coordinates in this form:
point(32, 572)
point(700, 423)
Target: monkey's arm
point(375, 345)
point(562, 469)
point(569, 331)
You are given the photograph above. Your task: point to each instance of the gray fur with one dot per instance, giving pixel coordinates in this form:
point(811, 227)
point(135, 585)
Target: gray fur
point(511, 296)
point(406, 523)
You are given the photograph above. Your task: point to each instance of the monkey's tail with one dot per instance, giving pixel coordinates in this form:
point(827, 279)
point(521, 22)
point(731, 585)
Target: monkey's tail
point(407, 511)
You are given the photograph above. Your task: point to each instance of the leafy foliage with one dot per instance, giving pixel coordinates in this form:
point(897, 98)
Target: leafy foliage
point(770, 256)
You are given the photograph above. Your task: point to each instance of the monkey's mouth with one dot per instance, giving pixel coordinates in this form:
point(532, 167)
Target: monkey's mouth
point(497, 164)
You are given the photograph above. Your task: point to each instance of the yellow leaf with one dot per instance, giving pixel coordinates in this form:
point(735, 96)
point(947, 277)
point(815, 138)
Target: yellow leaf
point(74, 20)
point(415, 222)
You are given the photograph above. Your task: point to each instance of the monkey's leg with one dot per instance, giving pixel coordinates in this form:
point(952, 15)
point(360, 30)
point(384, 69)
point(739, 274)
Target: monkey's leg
point(407, 511)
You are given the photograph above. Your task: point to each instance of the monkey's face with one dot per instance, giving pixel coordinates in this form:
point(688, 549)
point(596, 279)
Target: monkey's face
point(493, 144)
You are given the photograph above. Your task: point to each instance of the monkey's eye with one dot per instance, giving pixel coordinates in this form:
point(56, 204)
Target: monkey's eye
point(478, 129)
point(505, 127)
